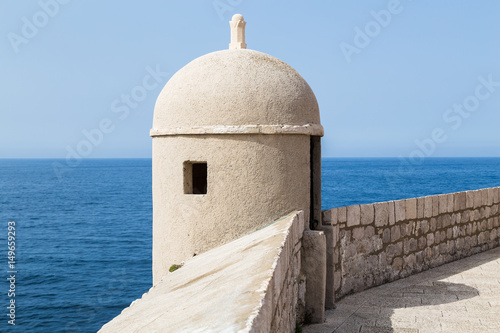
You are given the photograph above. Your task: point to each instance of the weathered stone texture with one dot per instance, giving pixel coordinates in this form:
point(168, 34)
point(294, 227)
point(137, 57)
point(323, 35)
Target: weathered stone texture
point(443, 203)
point(469, 199)
point(460, 201)
point(411, 209)
point(435, 205)
point(424, 225)
point(428, 206)
point(367, 214)
point(353, 215)
point(451, 202)
point(392, 214)
point(400, 210)
point(358, 233)
point(342, 214)
point(327, 216)
point(386, 238)
point(330, 232)
point(381, 214)
point(420, 208)
point(314, 267)
point(395, 233)
point(478, 198)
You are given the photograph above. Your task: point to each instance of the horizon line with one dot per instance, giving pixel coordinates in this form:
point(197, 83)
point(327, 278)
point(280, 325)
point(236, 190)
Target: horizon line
point(346, 157)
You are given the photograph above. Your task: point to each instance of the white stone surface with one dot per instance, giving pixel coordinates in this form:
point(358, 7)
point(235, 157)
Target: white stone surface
point(228, 289)
point(237, 25)
point(233, 88)
point(308, 129)
point(252, 181)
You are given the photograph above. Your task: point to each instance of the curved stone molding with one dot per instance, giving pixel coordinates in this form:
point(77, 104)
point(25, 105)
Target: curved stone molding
point(308, 129)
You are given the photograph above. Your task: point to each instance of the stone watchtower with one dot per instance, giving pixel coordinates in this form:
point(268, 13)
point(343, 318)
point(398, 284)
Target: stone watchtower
point(236, 145)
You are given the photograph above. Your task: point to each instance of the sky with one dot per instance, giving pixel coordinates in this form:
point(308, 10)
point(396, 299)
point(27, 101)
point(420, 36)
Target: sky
point(408, 78)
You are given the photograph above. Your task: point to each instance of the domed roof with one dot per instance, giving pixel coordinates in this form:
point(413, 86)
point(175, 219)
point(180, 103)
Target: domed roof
point(238, 90)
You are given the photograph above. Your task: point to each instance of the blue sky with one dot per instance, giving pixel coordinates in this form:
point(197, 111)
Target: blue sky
point(393, 78)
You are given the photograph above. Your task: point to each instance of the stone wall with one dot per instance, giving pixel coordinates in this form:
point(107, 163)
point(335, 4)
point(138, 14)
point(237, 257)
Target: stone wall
point(372, 244)
point(252, 284)
point(284, 299)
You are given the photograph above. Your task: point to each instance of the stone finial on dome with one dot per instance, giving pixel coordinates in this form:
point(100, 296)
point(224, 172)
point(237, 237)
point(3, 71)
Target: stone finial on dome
point(237, 24)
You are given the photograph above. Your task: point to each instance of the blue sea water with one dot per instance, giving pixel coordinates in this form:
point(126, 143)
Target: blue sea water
point(349, 181)
point(83, 233)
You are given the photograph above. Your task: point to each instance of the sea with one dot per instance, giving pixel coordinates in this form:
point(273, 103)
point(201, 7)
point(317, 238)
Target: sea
point(82, 231)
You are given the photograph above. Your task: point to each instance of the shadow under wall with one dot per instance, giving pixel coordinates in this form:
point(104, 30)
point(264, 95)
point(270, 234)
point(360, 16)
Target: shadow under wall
point(422, 294)
point(371, 310)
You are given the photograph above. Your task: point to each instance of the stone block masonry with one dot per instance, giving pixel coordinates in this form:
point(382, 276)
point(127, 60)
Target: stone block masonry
point(382, 242)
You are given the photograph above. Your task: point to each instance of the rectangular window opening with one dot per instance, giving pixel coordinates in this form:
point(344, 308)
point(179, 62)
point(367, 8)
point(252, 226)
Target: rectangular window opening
point(195, 177)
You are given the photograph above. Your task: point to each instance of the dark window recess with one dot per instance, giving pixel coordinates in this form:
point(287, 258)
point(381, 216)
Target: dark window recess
point(195, 177)
point(200, 178)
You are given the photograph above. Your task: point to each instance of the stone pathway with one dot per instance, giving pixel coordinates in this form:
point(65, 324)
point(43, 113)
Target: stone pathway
point(462, 296)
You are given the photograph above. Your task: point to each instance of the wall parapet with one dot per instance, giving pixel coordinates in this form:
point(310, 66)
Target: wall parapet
point(381, 242)
point(252, 284)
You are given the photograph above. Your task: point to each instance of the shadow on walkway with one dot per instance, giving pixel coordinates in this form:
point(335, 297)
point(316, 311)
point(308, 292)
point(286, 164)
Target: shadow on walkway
point(451, 298)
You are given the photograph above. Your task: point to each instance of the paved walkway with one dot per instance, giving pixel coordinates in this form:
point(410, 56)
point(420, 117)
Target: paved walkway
point(462, 296)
